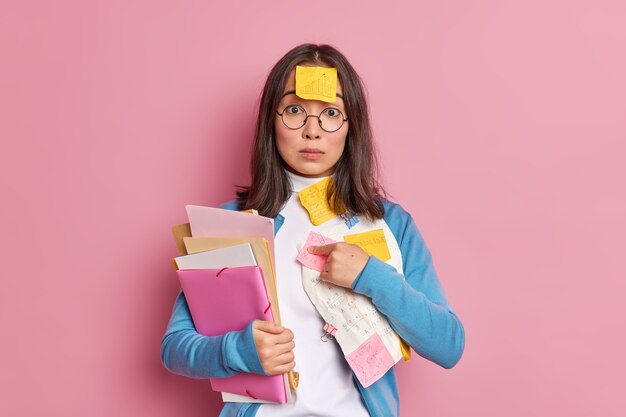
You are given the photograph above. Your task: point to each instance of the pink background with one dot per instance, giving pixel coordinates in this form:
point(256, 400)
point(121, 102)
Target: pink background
point(500, 124)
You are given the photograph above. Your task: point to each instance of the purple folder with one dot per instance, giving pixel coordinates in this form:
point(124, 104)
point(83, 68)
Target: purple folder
point(223, 300)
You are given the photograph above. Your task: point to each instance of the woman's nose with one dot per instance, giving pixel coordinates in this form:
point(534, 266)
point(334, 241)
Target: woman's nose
point(311, 127)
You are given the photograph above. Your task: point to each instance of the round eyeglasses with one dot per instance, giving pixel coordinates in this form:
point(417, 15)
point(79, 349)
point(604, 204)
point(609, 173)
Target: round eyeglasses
point(330, 119)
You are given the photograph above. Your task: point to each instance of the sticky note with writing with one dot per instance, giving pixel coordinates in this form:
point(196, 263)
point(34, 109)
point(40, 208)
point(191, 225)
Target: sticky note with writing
point(310, 260)
point(370, 361)
point(372, 242)
point(314, 198)
point(316, 83)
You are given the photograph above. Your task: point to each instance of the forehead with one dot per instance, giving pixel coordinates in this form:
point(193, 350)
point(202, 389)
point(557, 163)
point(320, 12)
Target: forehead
point(290, 85)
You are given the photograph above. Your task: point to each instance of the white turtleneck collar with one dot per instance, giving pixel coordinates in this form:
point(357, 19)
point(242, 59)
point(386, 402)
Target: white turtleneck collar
point(298, 182)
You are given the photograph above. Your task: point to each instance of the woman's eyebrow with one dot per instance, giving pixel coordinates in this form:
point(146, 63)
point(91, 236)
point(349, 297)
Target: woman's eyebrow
point(286, 93)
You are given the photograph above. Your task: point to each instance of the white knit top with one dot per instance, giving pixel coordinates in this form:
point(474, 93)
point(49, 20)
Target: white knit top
point(326, 386)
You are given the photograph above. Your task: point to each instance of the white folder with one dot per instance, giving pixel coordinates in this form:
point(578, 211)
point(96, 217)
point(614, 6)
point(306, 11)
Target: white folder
point(229, 257)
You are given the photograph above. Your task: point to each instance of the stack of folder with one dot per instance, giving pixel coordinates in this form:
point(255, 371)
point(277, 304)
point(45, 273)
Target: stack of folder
point(227, 274)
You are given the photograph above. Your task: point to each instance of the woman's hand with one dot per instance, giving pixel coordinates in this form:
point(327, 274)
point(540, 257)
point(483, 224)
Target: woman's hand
point(274, 344)
point(345, 262)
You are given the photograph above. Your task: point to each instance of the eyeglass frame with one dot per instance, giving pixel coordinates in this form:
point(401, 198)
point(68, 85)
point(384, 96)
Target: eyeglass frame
point(319, 121)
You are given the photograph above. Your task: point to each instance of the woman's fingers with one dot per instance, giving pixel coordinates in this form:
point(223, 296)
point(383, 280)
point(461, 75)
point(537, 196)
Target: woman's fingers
point(267, 326)
point(280, 364)
point(274, 346)
point(282, 369)
point(322, 250)
point(284, 348)
point(344, 262)
point(285, 336)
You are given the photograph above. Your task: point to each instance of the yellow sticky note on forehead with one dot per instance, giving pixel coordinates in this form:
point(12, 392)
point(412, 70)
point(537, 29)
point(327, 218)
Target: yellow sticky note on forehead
point(314, 198)
point(373, 243)
point(316, 83)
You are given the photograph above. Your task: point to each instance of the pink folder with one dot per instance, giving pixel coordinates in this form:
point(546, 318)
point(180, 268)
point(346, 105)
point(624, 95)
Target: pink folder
point(223, 300)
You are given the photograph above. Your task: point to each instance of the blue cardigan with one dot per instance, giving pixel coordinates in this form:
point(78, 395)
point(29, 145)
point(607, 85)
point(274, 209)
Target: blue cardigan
point(414, 304)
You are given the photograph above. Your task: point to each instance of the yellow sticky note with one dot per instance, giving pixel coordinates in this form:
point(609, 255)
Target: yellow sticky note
point(406, 349)
point(314, 198)
point(316, 83)
point(372, 242)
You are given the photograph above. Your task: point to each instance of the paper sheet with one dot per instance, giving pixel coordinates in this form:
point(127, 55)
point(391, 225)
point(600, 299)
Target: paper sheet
point(209, 221)
point(354, 315)
point(371, 360)
point(310, 260)
point(180, 231)
point(227, 257)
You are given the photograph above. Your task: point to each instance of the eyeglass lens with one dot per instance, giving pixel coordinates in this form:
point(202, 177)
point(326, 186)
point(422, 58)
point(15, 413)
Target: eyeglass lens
point(330, 120)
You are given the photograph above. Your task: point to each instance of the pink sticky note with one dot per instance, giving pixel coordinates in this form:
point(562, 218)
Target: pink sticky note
point(370, 361)
point(310, 260)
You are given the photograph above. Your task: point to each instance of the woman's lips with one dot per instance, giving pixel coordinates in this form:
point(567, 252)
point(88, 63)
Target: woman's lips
point(312, 154)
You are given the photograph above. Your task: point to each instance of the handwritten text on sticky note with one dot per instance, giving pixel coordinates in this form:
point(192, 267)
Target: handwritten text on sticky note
point(370, 361)
point(310, 260)
point(316, 83)
point(372, 242)
point(314, 198)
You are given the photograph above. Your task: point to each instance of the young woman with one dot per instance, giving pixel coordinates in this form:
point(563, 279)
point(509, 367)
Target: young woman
point(300, 142)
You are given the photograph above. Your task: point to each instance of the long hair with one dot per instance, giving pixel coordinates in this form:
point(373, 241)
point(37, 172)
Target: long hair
point(355, 189)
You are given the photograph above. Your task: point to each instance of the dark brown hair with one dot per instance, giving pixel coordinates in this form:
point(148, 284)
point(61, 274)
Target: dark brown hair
point(355, 189)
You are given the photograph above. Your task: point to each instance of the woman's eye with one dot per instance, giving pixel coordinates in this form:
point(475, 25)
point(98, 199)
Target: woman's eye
point(294, 109)
point(332, 112)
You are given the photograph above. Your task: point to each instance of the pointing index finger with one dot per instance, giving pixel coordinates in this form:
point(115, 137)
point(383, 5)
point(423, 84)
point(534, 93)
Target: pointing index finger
point(321, 250)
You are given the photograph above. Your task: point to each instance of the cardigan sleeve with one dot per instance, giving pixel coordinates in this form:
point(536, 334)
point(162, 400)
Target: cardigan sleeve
point(186, 352)
point(414, 303)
